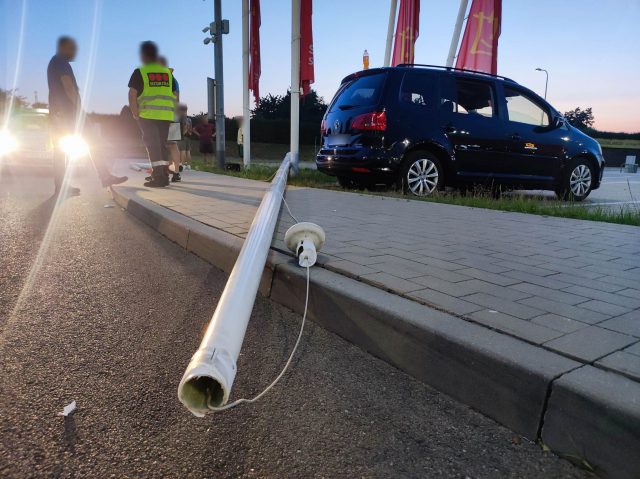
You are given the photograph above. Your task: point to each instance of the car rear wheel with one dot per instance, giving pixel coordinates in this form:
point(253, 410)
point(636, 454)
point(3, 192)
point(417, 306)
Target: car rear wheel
point(577, 181)
point(422, 174)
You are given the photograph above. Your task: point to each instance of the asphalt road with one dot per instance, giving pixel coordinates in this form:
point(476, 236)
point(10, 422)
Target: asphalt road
point(619, 190)
point(99, 309)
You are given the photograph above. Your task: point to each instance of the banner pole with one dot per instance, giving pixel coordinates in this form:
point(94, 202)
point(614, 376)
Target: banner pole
point(455, 39)
point(392, 19)
point(246, 112)
point(295, 85)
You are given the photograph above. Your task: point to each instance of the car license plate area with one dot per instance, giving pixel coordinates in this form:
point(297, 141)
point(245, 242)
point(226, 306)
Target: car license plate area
point(338, 140)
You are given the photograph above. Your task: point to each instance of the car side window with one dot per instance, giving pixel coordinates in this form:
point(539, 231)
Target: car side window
point(522, 109)
point(469, 97)
point(416, 89)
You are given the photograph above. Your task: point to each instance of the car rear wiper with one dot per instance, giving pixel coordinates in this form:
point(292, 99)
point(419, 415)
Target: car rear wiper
point(347, 107)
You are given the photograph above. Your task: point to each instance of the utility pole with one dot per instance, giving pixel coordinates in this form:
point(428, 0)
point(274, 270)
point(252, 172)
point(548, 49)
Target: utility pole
point(295, 85)
point(217, 29)
point(392, 19)
point(246, 111)
point(217, 49)
point(455, 39)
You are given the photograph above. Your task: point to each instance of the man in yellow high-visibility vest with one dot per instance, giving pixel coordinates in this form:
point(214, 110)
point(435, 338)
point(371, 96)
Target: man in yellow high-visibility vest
point(152, 99)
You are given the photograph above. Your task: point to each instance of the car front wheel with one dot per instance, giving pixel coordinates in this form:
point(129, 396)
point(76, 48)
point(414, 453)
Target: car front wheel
point(422, 174)
point(577, 182)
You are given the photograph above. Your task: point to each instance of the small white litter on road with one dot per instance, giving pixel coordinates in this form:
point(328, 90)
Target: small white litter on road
point(68, 409)
point(108, 206)
point(140, 166)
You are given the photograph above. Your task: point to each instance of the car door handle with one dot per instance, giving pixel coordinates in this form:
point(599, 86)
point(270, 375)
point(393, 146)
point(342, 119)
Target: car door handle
point(515, 136)
point(449, 128)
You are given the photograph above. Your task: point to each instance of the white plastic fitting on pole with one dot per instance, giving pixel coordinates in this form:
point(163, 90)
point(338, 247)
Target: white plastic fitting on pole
point(208, 379)
point(455, 39)
point(246, 112)
point(390, 28)
point(305, 240)
point(295, 85)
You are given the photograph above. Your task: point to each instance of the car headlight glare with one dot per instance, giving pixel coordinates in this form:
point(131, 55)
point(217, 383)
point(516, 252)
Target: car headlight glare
point(74, 146)
point(8, 143)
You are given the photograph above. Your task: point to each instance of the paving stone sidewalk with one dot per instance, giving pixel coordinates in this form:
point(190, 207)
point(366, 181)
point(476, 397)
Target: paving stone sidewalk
point(567, 285)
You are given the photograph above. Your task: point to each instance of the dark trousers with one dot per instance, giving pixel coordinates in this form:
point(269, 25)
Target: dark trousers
point(154, 137)
point(61, 125)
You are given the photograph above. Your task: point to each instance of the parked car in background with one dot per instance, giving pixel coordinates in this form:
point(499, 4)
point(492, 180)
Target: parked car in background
point(426, 127)
point(27, 140)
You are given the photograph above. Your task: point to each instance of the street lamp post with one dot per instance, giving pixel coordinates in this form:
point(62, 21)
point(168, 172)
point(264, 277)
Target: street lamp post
point(455, 39)
point(546, 83)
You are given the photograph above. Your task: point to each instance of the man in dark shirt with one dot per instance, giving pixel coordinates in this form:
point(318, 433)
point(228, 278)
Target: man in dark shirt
point(205, 130)
point(65, 110)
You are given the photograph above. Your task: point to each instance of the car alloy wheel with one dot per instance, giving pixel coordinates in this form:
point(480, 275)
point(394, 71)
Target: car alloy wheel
point(580, 180)
point(422, 177)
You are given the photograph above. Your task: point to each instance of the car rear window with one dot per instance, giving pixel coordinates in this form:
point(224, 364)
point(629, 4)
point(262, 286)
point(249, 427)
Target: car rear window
point(361, 91)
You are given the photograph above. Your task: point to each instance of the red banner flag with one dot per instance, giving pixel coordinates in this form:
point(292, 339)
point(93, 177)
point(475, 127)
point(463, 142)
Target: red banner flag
point(479, 47)
point(306, 47)
point(406, 32)
point(254, 49)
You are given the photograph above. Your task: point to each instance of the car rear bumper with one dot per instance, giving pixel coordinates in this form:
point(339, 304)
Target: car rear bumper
point(356, 162)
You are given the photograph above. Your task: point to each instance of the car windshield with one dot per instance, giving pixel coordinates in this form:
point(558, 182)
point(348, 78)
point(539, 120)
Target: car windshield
point(361, 91)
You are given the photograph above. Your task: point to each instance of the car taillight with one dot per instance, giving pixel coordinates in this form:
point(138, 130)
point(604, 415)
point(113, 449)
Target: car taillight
point(323, 128)
point(374, 121)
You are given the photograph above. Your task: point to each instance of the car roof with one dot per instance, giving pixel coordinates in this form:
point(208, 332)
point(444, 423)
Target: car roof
point(411, 66)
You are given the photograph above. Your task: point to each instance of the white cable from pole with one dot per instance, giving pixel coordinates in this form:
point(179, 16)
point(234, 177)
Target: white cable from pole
point(288, 209)
point(237, 402)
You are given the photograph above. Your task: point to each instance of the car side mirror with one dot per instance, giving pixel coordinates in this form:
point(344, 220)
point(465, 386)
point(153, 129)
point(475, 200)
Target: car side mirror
point(557, 121)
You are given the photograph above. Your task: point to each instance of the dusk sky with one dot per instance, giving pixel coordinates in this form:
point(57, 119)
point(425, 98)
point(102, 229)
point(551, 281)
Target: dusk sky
point(590, 47)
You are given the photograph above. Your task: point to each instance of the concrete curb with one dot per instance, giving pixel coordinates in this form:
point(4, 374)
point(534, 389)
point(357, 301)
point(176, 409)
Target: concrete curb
point(528, 389)
point(595, 415)
point(503, 377)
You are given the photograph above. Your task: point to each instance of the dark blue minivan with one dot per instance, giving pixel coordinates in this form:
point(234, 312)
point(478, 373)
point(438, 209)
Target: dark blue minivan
point(424, 128)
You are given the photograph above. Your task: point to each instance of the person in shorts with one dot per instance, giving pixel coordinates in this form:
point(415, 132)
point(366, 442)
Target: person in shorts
point(206, 132)
point(172, 142)
point(184, 145)
point(240, 139)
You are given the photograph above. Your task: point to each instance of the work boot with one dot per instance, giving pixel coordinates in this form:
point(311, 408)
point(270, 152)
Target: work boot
point(157, 183)
point(159, 177)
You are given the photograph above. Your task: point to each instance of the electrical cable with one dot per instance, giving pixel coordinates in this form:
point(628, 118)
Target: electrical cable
point(288, 209)
point(237, 402)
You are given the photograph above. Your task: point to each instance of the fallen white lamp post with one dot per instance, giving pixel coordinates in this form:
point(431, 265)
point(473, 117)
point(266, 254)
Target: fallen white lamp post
point(207, 381)
point(206, 384)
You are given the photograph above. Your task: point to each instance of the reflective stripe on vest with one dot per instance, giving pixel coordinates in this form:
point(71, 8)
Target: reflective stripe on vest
point(157, 101)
